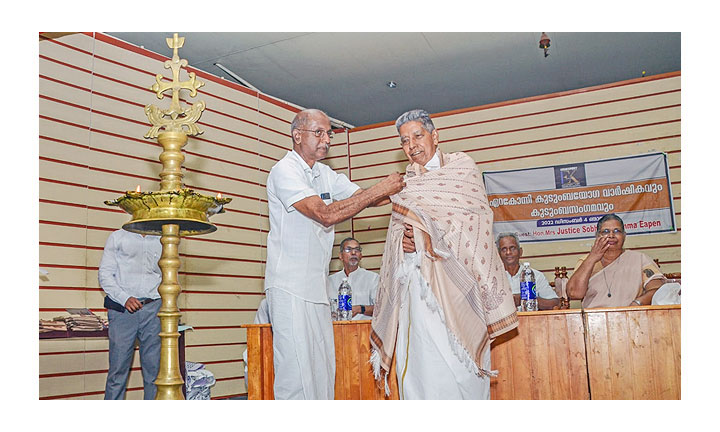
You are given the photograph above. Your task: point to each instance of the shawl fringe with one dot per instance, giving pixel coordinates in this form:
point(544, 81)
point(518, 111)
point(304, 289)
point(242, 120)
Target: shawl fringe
point(378, 372)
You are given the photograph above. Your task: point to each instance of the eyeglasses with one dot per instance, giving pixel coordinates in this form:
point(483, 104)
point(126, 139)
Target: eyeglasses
point(349, 249)
point(615, 231)
point(319, 132)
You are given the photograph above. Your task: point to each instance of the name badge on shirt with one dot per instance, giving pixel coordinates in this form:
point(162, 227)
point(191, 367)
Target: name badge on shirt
point(325, 195)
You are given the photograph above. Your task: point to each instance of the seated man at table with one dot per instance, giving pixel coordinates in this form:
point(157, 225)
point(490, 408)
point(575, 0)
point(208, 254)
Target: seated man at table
point(510, 253)
point(363, 282)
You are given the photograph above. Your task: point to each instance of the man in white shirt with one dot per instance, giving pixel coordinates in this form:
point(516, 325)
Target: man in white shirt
point(129, 274)
point(306, 199)
point(363, 282)
point(510, 253)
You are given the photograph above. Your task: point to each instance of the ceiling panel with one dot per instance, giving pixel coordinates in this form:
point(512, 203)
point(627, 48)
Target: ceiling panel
point(345, 74)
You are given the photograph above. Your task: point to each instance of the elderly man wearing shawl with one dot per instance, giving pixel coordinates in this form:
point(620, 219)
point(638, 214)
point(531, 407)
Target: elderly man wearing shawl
point(443, 294)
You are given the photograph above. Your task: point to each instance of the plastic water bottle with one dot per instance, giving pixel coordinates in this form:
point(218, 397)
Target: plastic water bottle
point(528, 291)
point(344, 301)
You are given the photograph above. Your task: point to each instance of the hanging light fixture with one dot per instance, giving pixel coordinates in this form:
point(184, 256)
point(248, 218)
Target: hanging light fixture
point(545, 43)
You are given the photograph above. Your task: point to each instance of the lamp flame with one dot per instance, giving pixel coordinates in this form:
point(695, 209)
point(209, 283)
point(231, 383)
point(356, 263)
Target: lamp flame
point(219, 195)
point(137, 189)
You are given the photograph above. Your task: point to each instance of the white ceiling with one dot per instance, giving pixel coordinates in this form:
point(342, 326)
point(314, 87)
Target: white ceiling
point(345, 74)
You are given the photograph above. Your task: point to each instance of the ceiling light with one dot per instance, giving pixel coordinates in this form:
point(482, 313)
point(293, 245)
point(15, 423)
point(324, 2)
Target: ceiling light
point(391, 84)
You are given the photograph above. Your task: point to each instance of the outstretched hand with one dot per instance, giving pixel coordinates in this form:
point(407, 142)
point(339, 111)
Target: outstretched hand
point(392, 184)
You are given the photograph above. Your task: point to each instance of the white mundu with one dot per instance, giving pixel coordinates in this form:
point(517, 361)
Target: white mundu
point(428, 365)
point(364, 285)
point(298, 254)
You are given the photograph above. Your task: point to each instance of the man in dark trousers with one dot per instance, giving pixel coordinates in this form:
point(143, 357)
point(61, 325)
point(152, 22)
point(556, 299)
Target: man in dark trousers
point(129, 274)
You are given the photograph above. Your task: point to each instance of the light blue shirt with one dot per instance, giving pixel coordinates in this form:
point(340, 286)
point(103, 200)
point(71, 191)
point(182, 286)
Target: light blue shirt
point(129, 266)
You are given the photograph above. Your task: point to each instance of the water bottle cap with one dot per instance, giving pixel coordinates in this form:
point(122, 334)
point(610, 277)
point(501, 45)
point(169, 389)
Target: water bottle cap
point(526, 264)
point(344, 279)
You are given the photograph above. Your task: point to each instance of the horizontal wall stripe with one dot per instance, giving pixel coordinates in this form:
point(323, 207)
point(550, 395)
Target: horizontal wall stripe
point(658, 138)
point(228, 396)
point(524, 142)
point(186, 273)
point(533, 98)
point(219, 258)
point(87, 90)
point(105, 77)
point(241, 377)
point(208, 292)
point(155, 144)
point(166, 79)
point(227, 161)
point(588, 148)
point(94, 111)
point(192, 238)
point(71, 395)
point(76, 352)
point(72, 225)
point(67, 288)
point(137, 348)
point(201, 328)
point(218, 310)
point(89, 207)
point(221, 361)
point(99, 150)
point(93, 310)
point(536, 113)
point(215, 345)
point(182, 255)
point(137, 176)
point(87, 372)
point(196, 238)
point(237, 276)
point(258, 230)
point(254, 139)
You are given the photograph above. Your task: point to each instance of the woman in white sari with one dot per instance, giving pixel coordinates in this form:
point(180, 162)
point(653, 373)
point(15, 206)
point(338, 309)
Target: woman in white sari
point(611, 276)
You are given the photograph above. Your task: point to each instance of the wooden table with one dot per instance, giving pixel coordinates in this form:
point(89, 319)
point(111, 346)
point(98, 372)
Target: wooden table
point(611, 353)
point(353, 375)
point(544, 358)
point(634, 352)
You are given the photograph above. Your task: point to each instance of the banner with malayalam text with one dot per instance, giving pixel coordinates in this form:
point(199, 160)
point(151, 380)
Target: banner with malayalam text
point(564, 202)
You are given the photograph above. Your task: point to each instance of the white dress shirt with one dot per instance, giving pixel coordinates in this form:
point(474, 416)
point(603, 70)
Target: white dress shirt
point(298, 248)
point(544, 290)
point(129, 266)
point(364, 285)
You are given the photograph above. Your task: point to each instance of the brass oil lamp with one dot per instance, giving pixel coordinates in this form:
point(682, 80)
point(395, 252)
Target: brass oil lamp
point(173, 211)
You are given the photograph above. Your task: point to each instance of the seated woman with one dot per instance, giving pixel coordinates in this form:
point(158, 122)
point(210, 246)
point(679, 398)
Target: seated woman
point(611, 276)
